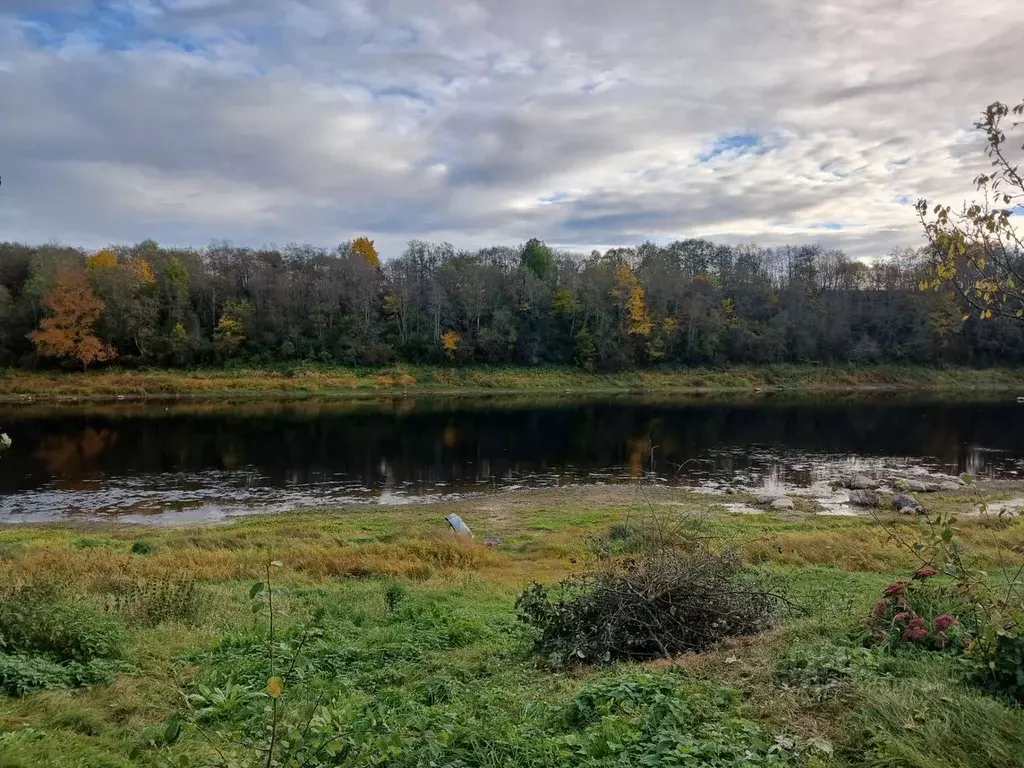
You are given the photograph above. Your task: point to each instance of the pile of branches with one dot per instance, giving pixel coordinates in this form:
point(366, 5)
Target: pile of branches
point(667, 599)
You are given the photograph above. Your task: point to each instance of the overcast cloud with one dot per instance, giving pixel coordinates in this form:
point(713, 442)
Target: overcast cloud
point(491, 121)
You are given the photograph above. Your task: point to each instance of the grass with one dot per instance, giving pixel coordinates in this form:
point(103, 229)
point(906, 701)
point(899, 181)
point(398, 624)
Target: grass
point(418, 658)
point(303, 380)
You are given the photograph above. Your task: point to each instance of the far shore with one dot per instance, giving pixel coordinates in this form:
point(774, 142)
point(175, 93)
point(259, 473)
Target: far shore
point(302, 381)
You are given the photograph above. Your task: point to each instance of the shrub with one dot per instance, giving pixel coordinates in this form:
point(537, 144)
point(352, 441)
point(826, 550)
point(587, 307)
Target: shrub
point(668, 599)
point(924, 612)
point(1002, 670)
point(40, 619)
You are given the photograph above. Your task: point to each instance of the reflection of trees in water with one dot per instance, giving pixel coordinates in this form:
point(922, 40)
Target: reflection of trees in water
point(75, 457)
point(400, 444)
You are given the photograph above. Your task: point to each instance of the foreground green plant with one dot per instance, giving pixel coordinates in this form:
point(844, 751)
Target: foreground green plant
point(966, 609)
point(50, 639)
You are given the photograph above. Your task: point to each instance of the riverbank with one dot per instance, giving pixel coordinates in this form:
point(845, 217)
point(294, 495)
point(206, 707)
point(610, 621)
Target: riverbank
point(319, 381)
point(418, 658)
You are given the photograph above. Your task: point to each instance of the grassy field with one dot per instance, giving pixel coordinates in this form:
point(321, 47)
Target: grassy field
point(320, 381)
point(417, 657)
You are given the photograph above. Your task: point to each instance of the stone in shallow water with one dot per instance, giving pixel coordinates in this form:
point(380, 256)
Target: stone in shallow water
point(863, 498)
point(916, 486)
point(862, 483)
point(902, 500)
point(782, 503)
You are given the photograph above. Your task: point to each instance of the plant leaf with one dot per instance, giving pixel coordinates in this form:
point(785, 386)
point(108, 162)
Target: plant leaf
point(275, 687)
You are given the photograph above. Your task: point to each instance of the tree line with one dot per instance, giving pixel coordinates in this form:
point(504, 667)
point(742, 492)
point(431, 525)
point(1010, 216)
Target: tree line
point(691, 302)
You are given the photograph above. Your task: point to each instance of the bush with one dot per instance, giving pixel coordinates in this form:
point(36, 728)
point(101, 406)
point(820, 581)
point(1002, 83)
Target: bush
point(924, 612)
point(668, 599)
point(1003, 669)
point(40, 619)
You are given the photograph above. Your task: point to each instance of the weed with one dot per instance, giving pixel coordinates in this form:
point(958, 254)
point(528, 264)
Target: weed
point(154, 602)
point(394, 594)
point(142, 548)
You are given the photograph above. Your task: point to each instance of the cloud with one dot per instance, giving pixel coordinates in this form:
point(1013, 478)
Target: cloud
point(482, 122)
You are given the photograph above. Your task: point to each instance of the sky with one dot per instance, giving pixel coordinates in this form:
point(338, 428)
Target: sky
point(587, 124)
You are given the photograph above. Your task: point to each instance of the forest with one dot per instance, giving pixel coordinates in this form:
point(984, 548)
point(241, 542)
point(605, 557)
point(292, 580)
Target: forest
point(691, 302)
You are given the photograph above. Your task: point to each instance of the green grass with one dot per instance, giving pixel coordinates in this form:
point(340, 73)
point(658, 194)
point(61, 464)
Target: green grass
point(302, 380)
point(443, 674)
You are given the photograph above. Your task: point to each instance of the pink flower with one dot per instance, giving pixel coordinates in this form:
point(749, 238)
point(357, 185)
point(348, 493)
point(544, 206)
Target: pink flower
point(945, 621)
point(879, 637)
point(916, 623)
point(925, 573)
point(880, 607)
point(902, 618)
point(913, 634)
point(895, 589)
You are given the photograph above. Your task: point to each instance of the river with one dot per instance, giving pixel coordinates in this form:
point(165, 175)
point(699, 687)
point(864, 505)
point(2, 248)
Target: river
point(196, 461)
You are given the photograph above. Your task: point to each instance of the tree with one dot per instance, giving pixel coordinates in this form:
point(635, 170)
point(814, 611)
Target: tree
point(450, 341)
point(979, 250)
point(232, 328)
point(537, 257)
point(73, 312)
point(364, 247)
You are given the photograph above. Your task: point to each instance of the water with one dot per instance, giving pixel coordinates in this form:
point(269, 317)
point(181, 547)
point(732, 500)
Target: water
point(203, 461)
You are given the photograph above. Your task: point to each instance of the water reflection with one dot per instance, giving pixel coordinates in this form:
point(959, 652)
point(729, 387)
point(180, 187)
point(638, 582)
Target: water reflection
point(143, 457)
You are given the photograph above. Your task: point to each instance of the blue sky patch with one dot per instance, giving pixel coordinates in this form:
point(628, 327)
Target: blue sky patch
point(738, 143)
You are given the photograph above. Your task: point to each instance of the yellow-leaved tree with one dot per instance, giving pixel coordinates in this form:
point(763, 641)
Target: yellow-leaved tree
point(450, 341)
point(632, 298)
point(364, 247)
point(105, 259)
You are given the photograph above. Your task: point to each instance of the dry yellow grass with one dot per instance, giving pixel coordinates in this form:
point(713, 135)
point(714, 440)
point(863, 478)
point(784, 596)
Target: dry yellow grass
point(304, 379)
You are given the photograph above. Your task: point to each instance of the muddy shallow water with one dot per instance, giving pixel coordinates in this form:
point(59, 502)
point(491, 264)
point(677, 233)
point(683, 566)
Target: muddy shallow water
point(206, 461)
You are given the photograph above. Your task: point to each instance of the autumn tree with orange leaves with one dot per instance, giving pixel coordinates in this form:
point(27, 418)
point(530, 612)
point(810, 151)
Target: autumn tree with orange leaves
point(68, 331)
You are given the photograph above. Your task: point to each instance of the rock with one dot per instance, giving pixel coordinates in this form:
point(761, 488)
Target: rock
point(944, 485)
point(915, 485)
point(767, 498)
point(861, 483)
point(863, 498)
point(912, 511)
point(782, 503)
point(902, 500)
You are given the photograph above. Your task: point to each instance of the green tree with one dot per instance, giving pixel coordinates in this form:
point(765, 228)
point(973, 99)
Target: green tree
point(978, 250)
point(537, 258)
point(233, 327)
